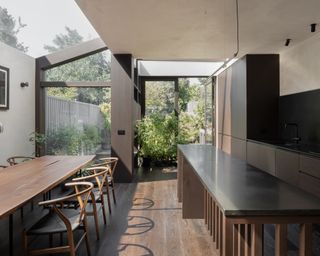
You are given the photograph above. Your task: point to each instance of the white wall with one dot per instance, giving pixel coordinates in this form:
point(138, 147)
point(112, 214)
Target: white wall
point(300, 67)
point(19, 120)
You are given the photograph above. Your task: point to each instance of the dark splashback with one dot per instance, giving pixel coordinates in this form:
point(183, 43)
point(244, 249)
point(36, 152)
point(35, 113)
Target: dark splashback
point(303, 109)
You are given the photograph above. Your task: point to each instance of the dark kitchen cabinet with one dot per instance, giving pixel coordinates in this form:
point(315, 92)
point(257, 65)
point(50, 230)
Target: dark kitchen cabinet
point(247, 95)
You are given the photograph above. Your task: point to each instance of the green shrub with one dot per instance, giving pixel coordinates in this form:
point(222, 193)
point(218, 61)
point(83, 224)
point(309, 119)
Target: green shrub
point(90, 138)
point(157, 137)
point(188, 129)
point(64, 141)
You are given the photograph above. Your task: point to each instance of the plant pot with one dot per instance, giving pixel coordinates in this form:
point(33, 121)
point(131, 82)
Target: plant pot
point(146, 162)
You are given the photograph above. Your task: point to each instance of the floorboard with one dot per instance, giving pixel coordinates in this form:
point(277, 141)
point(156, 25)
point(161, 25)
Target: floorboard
point(152, 224)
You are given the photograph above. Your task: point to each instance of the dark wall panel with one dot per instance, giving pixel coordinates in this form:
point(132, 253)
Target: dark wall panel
point(304, 110)
point(263, 81)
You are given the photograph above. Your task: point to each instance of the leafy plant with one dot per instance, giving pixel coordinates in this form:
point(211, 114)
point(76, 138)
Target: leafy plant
point(90, 138)
point(37, 139)
point(157, 137)
point(63, 141)
point(188, 128)
point(68, 140)
point(105, 109)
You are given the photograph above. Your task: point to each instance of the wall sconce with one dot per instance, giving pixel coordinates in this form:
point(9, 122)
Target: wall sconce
point(24, 84)
point(288, 40)
point(1, 128)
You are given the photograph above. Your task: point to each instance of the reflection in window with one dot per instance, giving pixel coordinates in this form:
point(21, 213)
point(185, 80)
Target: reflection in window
point(2, 87)
point(32, 26)
point(78, 121)
point(96, 67)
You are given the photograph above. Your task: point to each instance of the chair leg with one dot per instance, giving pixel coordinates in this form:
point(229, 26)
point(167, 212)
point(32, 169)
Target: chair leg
point(86, 236)
point(104, 209)
point(113, 194)
point(71, 243)
point(108, 198)
point(95, 215)
point(21, 212)
point(25, 243)
point(61, 239)
point(51, 240)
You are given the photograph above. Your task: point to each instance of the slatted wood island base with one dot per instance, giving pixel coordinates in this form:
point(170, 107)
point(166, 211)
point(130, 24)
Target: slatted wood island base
point(236, 200)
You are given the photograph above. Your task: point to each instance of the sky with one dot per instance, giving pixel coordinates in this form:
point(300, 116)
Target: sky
point(45, 19)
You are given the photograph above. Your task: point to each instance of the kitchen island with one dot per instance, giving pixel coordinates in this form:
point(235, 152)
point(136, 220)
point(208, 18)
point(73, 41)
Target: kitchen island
point(236, 199)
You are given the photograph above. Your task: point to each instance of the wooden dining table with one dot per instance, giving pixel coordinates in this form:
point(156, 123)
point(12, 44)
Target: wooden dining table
point(21, 183)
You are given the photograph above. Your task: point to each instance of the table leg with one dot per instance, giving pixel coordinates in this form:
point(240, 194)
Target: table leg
point(305, 237)
point(227, 237)
point(248, 240)
point(281, 240)
point(11, 234)
point(216, 223)
point(205, 196)
point(242, 239)
point(213, 210)
point(257, 240)
point(236, 239)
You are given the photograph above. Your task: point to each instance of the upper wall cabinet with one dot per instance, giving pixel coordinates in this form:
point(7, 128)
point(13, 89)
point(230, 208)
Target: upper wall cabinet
point(247, 98)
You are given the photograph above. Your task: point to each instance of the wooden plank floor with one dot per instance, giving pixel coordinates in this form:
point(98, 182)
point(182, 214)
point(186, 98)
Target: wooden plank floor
point(148, 221)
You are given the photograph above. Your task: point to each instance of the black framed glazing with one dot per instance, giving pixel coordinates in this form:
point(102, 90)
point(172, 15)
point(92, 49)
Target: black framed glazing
point(4, 88)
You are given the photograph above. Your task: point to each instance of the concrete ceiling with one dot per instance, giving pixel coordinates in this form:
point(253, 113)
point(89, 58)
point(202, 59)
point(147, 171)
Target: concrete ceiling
point(199, 29)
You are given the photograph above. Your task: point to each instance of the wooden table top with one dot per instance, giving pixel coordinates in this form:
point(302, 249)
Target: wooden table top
point(22, 182)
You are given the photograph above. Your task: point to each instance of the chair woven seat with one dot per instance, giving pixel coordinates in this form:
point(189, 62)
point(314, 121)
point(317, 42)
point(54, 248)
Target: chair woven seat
point(60, 220)
point(51, 223)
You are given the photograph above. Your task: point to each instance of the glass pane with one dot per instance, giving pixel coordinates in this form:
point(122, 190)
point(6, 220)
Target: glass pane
point(191, 105)
point(3, 82)
point(160, 97)
point(78, 121)
point(41, 27)
point(96, 67)
point(208, 112)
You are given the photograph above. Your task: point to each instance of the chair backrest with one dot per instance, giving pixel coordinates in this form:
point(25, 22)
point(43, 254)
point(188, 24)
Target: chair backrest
point(18, 159)
point(82, 192)
point(98, 173)
point(110, 162)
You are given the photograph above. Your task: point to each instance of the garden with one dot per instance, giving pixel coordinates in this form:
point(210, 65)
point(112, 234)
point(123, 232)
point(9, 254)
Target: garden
point(159, 133)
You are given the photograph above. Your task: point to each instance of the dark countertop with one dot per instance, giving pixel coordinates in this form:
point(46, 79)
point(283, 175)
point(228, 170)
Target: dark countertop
point(243, 190)
point(305, 149)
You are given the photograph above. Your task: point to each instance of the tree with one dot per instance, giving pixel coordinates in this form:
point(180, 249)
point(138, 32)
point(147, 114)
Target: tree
point(159, 97)
point(62, 41)
point(92, 68)
point(9, 30)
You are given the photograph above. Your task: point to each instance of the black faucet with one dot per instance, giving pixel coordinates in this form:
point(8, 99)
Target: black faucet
point(297, 138)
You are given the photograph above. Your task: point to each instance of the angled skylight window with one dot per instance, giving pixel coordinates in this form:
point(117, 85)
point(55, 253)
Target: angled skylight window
point(96, 67)
point(36, 26)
